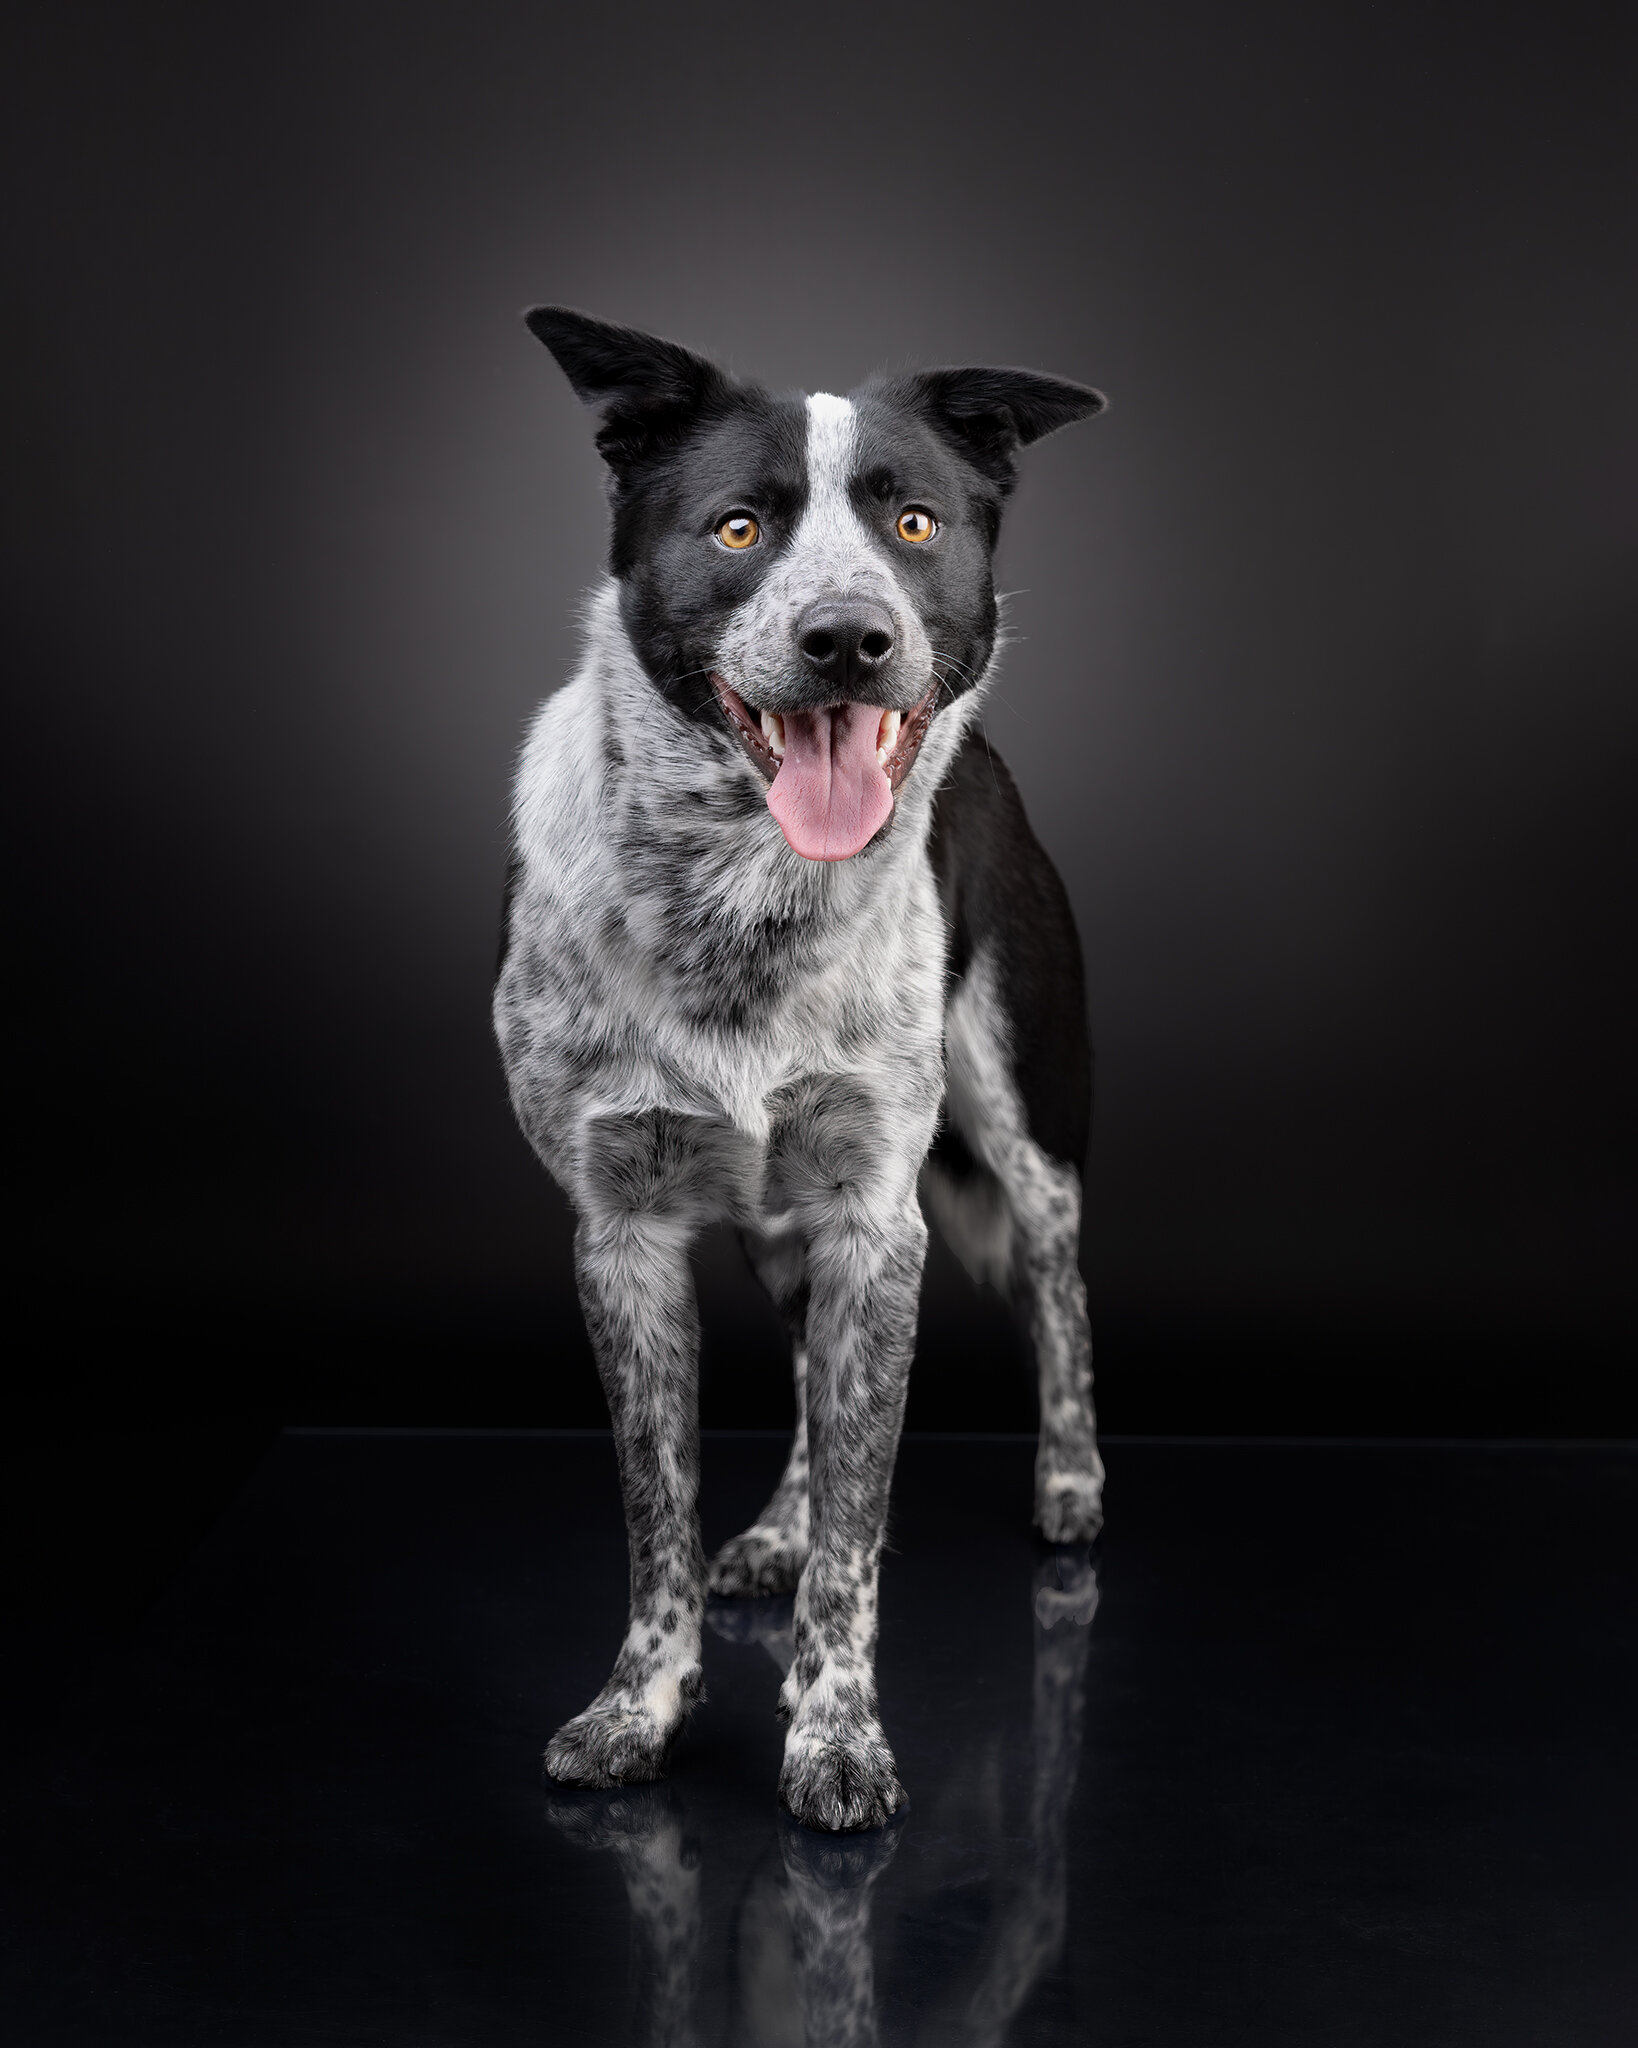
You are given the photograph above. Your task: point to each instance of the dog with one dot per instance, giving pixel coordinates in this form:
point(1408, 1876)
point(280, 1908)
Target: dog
point(779, 948)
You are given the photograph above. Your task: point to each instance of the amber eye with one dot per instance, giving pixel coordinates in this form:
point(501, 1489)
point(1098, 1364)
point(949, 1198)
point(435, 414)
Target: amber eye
point(739, 530)
point(917, 525)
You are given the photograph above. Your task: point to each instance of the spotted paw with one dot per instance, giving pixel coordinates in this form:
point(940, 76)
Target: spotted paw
point(610, 1744)
point(762, 1561)
point(839, 1782)
point(1069, 1505)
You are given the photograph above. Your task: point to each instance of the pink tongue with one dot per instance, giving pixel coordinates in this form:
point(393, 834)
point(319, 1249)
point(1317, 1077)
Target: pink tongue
point(831, 795)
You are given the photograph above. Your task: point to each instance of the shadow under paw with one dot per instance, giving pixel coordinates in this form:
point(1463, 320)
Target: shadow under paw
point(609, 1746)
point(756, 1565)
point(840, 1784)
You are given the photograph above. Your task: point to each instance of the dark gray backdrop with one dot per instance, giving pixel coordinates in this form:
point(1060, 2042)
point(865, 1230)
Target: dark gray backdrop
point(1321, 691)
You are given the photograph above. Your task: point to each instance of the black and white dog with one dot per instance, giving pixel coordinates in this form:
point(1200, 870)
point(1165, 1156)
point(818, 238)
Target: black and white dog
point(780, 948)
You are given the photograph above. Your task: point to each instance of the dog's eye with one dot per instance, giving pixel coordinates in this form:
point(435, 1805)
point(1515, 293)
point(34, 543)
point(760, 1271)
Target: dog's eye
point(916, 525)
point(739, 530)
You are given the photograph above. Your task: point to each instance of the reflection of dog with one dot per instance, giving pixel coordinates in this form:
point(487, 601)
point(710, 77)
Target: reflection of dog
point(706, 1011)
point(660, 1868)
point(803, 1943)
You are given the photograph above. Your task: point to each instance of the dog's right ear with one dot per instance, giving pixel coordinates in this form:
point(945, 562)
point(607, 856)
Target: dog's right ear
point(649, 391)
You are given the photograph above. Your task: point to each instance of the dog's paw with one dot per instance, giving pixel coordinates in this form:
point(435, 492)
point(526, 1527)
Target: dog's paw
point(1069, 1505)
point(610, 1744)
point(763, 1560)
point(839, 1781)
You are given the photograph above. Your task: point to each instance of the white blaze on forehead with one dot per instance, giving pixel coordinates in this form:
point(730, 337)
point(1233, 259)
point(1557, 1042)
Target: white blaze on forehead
point(832, 553)
point(830, 450)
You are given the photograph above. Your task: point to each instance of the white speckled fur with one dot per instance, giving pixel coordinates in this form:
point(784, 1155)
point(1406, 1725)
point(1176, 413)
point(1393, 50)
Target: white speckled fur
point(697, 1025)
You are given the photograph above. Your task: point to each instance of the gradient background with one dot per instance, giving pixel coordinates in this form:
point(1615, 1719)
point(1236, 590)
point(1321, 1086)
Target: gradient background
point(1322, 697)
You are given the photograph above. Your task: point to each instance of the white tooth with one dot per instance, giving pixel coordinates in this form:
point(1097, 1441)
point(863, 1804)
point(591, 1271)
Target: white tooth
point(888, 736)
point(773, 731)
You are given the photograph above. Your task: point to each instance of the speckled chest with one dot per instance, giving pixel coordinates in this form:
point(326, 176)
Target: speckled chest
point(691, 1018)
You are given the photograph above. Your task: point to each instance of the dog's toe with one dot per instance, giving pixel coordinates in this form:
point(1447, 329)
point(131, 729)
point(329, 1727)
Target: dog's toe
point(752, 1566)
point(840, 1783)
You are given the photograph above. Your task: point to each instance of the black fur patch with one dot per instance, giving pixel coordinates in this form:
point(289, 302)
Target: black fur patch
point(1000, 890)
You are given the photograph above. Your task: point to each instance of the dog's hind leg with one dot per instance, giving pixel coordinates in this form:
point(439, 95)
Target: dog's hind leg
point(1045, 1198)
point(768, 1557)
point(1042, 1195)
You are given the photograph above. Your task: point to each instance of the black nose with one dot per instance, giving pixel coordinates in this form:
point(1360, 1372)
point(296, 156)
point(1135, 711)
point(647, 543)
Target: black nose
point(845, 643)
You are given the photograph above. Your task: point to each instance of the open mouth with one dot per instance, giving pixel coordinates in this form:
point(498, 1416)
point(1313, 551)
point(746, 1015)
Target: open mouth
point(832, 773)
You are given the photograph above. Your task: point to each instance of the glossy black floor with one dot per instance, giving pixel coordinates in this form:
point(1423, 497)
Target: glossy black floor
point(1322, 1745)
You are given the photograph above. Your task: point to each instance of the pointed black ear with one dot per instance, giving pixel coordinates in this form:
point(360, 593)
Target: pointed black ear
point(992, 413)
point(649, 391)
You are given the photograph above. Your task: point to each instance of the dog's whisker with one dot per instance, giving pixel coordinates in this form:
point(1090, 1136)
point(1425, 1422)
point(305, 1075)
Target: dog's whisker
point(968, 676)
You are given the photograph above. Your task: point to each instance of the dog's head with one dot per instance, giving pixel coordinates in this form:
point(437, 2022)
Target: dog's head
point(808, 575)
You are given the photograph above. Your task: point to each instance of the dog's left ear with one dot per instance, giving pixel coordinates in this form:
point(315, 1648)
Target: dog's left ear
point(991, 413)
point(649, 391)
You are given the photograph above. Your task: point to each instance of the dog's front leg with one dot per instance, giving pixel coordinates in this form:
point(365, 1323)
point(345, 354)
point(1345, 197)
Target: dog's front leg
point(638, 1295)
point(865, 1276)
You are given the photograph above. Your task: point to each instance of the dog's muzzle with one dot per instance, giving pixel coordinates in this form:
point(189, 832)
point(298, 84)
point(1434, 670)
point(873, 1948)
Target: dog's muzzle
point(833, 770)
